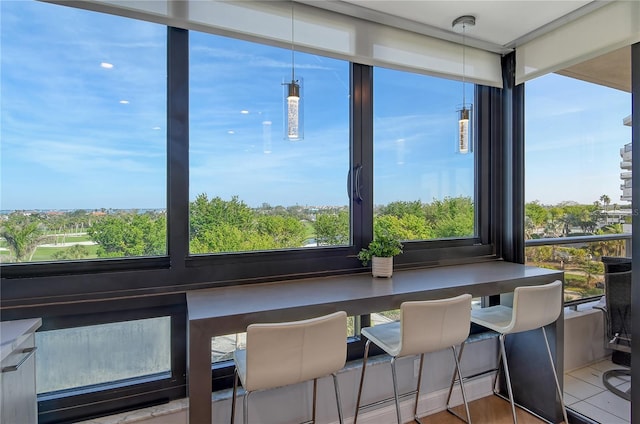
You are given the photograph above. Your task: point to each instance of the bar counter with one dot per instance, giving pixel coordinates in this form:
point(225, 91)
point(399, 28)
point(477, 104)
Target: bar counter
point(227, 310)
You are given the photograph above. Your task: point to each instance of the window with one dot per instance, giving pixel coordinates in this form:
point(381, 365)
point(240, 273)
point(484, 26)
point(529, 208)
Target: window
point(577, 168)
point(250, 188)
point(81, 357)
point(251, 207)
point(83, 129)
point(423, 187)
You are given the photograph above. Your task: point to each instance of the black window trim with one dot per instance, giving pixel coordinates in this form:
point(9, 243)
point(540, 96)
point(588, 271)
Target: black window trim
point(181, 271)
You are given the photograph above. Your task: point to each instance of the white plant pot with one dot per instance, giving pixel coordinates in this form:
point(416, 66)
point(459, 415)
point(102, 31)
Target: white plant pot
point(382, 267)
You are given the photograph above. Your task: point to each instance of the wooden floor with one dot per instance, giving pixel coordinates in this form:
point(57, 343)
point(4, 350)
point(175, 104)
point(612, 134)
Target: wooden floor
point(488, 410)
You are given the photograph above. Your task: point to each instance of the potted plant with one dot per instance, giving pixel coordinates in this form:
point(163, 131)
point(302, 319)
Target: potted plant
point(380, 253)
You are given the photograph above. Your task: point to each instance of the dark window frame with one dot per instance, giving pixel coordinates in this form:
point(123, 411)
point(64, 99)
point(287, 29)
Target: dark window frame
point(197, 271)
point(106, 398)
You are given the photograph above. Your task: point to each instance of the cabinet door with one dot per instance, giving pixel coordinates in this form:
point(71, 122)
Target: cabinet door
point(18, 385)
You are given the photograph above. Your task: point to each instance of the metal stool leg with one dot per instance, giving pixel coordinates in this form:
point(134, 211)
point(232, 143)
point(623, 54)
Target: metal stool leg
point(555, 376)
point(395, 388)
point(338, 403)
point(464, 395)
point(503, 351)
point(364, 367)
point(233, 398)
point(453, 378)
point(458, 371)
point(415, 406)
point(495, 378)
point(315, 391)
point(245, 403)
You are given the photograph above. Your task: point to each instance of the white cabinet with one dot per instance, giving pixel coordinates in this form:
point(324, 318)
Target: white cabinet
point(18, 404)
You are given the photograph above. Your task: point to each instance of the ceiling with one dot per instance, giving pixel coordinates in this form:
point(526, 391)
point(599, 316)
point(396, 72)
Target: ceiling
point(611, 70)
point(500, 26)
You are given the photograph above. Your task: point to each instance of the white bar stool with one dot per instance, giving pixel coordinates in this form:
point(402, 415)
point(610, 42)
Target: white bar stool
point(424, 326)
point(533, 308)
point(281, 354)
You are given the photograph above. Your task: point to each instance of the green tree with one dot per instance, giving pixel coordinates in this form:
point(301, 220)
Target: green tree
point(205, 214)
point(609, 248)
point(77, 251)
point(225, 237)
point(584, 216)
point(23, 235)
point(592, 268)
point(218, 225)
point(332, 229)
point(606, 201)
point(129, 235)
point(402, 209)
point(451, 217)
point(409, 227)
point(537, 214)
point(539, 254)
point(283, 231)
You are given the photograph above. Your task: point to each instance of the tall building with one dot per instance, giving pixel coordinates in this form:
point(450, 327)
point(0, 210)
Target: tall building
point(625, 165)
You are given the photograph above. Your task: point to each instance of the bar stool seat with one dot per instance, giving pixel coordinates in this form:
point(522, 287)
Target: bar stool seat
point(424, 327)
point(281, 354)
point(534, 307)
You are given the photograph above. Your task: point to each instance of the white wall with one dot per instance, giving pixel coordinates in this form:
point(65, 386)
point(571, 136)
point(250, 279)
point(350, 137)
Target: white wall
point(293, 404)
point(583, 337)
point(583, 344)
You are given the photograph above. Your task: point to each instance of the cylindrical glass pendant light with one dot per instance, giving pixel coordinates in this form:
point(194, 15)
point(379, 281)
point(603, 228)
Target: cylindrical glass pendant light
point(293, 111)
point(464, 130)
point(293, 122)
point(464, 143)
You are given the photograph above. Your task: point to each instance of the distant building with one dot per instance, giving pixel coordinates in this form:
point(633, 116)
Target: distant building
point(625, 174)
point(625, 165)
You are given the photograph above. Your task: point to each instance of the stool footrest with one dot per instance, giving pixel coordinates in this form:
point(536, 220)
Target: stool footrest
point(387, 400)
point(476, 375)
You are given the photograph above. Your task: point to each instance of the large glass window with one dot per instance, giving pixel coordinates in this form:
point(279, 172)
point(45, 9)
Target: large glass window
point(578, 169)
point(251, 188)
point(424, 184)
point(83, 129)
point(82, 357)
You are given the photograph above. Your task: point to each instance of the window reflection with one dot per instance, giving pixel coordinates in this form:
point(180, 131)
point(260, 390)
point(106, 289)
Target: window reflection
point(423, 185)
point(251, 188)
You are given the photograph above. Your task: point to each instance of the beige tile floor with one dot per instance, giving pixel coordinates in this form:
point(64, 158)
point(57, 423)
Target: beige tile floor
point(585, 393)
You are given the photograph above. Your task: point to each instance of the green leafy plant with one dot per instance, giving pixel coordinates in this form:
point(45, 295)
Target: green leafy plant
point(383, 246)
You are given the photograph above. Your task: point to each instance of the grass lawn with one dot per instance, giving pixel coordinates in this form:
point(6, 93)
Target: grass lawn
point(46, 253)
point(71, 239)
point(76, 239)
point(309, 231)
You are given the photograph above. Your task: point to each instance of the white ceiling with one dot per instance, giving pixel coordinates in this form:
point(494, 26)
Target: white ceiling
point(501, 26)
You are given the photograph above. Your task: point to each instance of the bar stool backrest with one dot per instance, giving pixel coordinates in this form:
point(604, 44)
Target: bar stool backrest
point(535, 306)
point(279, 354)
point(432, 325)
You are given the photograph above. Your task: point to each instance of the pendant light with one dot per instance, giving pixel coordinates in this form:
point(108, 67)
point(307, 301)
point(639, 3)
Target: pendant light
point(464, 144)
point(293, 101)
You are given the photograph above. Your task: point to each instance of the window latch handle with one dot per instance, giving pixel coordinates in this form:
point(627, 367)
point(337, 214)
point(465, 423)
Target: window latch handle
point(357, 184)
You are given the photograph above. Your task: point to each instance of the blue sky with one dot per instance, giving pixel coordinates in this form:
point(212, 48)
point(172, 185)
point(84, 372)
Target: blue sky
point(574, 133)
point(83, 122)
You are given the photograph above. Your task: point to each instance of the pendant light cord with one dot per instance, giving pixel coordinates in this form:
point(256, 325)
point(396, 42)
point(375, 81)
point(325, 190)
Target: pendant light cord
point(464, 27)
point(293, 78)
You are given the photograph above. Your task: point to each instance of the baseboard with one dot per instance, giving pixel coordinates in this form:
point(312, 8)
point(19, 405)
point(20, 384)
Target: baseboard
point(429, 403)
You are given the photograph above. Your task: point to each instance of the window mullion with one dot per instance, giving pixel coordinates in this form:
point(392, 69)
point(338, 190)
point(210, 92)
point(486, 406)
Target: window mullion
point(177, 145)
point(362, 153)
